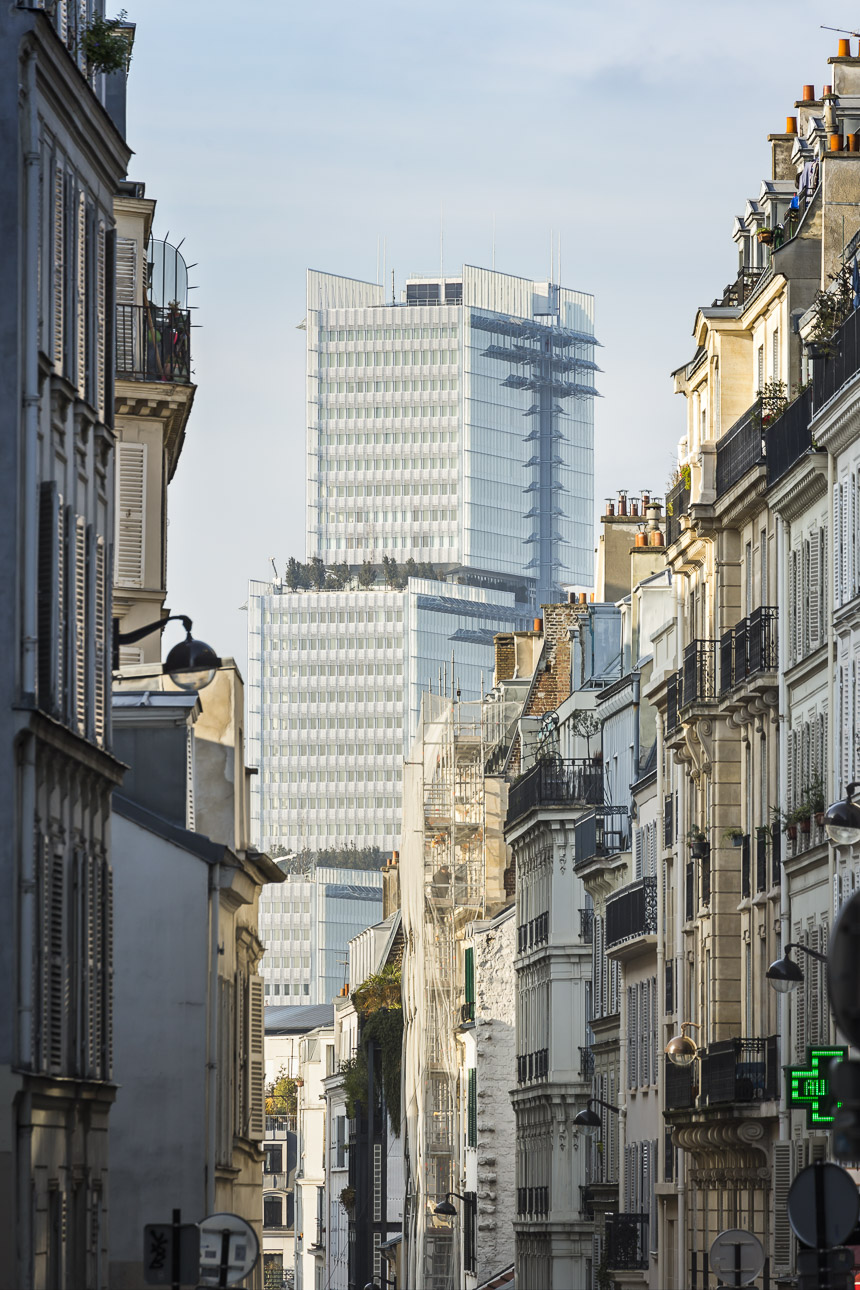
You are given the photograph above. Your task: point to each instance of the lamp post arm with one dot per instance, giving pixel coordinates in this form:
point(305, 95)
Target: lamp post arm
point(129, 638)
point(813, 954)
point(608, 1105)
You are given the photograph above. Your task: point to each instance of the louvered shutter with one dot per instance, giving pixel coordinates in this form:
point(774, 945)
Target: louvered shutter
point(845, 541)
point(851, 561)
point(792, 605)
point(801, 1038)
point(101, 321)
point(812, 976)
point(189, 779)
point(81, 297)
point(848, 689)
point(130, 514)
point(99, 633)
point(644, 1028)
point(813, 603)
point(791, 739)
point(53, 932)
point(256, 1064)
point(127, 311)
point(77, 581)
point(783, 1176)
point(837, 530)
point(632, 1037)
point(50, 600)
point(58, 250)
point(637, 853)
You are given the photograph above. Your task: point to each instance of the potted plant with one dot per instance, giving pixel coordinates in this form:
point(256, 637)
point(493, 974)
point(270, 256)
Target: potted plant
point(787, 821)
point(698, 843)
point(106, 45)
point(735, 837)
point(815, 799)
point(347, 1199)
point(765, 234)
point(763, 834)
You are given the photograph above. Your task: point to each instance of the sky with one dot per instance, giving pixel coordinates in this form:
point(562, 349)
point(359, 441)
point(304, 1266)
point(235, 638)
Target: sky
point(280, 137)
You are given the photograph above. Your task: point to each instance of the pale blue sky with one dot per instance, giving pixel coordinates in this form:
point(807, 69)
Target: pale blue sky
point(281, 136)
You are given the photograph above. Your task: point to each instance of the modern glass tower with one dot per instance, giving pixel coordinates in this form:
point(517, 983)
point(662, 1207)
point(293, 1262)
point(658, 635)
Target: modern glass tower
point(453, 426)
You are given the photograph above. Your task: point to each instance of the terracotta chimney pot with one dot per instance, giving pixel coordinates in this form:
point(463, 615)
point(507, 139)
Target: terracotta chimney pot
point(835, 143)
point(844, 48)
point(538, 624)
point(791, 125)
point(808, 95)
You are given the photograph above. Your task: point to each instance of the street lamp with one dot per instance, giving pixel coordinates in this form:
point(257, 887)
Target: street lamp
point(842, 819)
point(445, 1209)
point(681, 1049)
point(191, 665)
point(784, 974)
point(589, 1119)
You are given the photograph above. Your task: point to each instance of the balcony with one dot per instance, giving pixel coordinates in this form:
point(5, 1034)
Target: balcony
point(680, 1086)
point(533, 933)
point(533, 1201)
point(677, 504)
point(739, 1070)
point(738, 292)
point(153, 344)
point(830, 374)
point(668, 821)
point(586, 1064)
point(789, 438)
point(586, 926)
point(626, 1242)
point(632, 912)
point(278, 1126)
point(740, 449)
point(557, 782)
point(601, 833)
point(672, 689)
point(533, 1066)
point(699, 673)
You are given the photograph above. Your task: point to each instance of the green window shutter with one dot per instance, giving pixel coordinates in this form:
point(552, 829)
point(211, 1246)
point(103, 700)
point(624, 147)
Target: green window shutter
point(470, 976)
point(472, 1101)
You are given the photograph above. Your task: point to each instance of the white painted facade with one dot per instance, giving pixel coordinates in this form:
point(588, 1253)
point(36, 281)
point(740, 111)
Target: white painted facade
point(316, 1061)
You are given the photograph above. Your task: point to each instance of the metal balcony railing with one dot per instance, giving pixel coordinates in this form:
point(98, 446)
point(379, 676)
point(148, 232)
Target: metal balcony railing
point(668, 821)
point(746, 876)
point(153, 344)
point(788, 438)
point(677, 504)
point(672, 688)
point(586, 1063)
point(740, 449)
point(532, 1200)
point(690, 892)
point(761, 843)
point(632, 912)
point(602, 832)
point(740, 1070)
point(533, 933)
point(626, 1241)
point(533, 1065)
point(727, 654)
point(699, 672)
point(830, 374)
point(586, 926)
point(680, 1086)
point(749, 648)
point(556, 782)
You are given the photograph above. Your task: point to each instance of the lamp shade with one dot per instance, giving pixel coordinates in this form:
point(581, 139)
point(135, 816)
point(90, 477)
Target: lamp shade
point(784, 974)
point(191, 665)
point(587, 1119)
point(445, 1209)
point(682, 1050)
point(842, 820)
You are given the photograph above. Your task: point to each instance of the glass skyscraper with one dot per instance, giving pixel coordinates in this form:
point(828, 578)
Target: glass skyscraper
point(453, 427)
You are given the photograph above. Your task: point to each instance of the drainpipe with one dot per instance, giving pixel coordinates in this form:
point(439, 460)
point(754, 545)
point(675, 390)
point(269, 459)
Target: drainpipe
point(637, 681)
point(212, 1037)
point(835, 790)
point(782, 752)
point(681, 823)
point(661, 951)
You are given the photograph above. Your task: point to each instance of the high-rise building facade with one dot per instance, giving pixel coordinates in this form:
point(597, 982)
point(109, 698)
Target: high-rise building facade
point(454, 426)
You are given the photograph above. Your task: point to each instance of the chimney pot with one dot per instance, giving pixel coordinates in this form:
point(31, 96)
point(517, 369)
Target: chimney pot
point(826, 90)
point(844, 48)
point(808, 95)
point(538, 624)
point(640, 540)
point(791, 125)
point(853, 142)
point(646, 498)
point(656, 537)
point(582, 598)
point(835, 143)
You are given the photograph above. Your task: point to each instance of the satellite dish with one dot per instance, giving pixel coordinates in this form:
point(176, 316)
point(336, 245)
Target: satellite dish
point(168, 275)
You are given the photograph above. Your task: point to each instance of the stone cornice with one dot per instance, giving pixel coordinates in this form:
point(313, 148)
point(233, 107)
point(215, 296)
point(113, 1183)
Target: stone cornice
point(838, 423)
point(804, 484)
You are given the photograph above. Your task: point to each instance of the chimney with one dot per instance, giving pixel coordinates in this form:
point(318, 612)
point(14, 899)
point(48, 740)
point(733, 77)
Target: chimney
point(640, 539)
point(506, 657)
point(538, 625)
point(791, 125)
point(622, 501)
point(656, 537)
point(844, 48)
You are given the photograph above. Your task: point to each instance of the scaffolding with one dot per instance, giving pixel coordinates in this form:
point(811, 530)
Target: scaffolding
point(452, 865)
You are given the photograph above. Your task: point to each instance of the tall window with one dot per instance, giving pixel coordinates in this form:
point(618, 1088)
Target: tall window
point(776, 353)
point(760, 368)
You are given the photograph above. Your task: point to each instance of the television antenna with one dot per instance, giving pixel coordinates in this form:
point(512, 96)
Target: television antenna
point(843, 30)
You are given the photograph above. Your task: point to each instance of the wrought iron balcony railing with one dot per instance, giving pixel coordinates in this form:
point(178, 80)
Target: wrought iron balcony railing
point(788, 437)
point(677, 504)
point(533, 933)
point(740, 448)
point(556, 782)
point(831, 373)
point(586, 926)
point(632, 912)
point(699, 672)
point(739, 1070)
point(749, 648)
point(153, 344)
point(626, 1241)
point(533, 1065)
point(680, 1086)
point(602, 832)
point(586, 1063)
point(533, 1200)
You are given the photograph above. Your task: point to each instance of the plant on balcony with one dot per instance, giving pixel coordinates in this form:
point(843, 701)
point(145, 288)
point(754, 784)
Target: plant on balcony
point(380, 1013)
point(763, 834)
point(774, 401)
point(814, 799)
point(765, 234)
point(734, 836)
point(585, 725)
point(347, 1199)
point(698, 843)
point(830, 308)
point(105, 45)
point(282, 1095)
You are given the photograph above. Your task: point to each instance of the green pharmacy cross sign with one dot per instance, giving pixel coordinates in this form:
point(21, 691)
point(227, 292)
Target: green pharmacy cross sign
point(809, 1085)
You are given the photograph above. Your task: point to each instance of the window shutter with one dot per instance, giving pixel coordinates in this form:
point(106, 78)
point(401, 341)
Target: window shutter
point(58, 251)
point(845, 540)
point(837, 529)
point(127, 322)
point(801, 1038)
point(189, 779)
point(130, 513)
point(50, 605)
point(637, 853)
point(814, 593)
point(256, 1064)
point(792, 605)
point(101, 662)
point(851, 581)
point(813, 990)
point(644, 1027)
point(101, 320)
point(469, 970)
point(53, 945)
point(472, 1101)
point(632, 1036)
point(77, 577)
point(783, 1176)
point(789, 770)
point(849, 690)
point(81, 296)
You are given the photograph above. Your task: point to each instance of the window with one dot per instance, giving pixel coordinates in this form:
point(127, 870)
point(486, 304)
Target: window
point(775, 355)
point(760, 369)
point(274, 1163)
point(273, 1211)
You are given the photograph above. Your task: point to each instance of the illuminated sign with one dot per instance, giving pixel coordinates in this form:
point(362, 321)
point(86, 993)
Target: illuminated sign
point(809, 1086)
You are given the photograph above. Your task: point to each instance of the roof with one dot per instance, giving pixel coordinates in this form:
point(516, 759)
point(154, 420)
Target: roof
point(196, 843)
point(503, 1278)
point(297, 1019)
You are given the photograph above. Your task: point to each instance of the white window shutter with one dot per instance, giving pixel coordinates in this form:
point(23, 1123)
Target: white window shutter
point(107, 971)
point(127, 322)
point(837, 533)
point(256, 1063)
point(845, 541)
point(99, 633)
point(78, 625)
point(101, 321)
point(130, 514)
point(81, 296)
point(59, 257)
point(189, 779)
point(637, 853)
point(813, 596)
point(851, 543)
